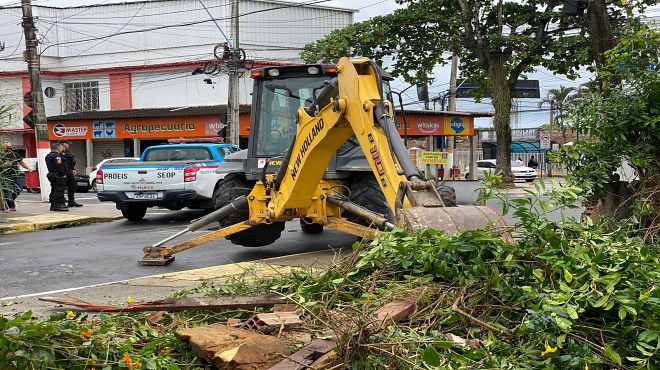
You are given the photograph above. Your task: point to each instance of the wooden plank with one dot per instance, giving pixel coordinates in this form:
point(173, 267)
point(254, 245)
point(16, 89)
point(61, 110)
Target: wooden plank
point(306, 356)
point(175, 304)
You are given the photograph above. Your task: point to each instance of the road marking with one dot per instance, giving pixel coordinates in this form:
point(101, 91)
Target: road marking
point(63, 290)
point(7, 243)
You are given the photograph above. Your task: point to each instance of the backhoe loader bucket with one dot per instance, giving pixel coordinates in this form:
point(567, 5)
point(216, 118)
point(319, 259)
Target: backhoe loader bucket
point(453, 219)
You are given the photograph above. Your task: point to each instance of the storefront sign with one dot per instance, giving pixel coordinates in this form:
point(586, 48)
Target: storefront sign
point(104, 129)
point(436, 125)
point(140, 128)
point(428, 127)
point(61, 131)
point(434, 158)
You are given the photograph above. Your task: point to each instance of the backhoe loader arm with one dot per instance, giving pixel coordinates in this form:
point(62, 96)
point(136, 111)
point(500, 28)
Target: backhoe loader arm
point(319, 136)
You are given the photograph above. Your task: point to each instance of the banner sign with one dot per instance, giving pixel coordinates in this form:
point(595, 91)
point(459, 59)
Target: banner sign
point(434, 158)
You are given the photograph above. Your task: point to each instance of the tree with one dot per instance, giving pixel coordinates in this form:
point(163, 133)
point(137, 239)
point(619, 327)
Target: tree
point(623, 123)
point(559, 99)
point(497, 43)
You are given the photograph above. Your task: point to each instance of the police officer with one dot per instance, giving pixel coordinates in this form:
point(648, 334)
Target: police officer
point(57, 177)
point(70, 164)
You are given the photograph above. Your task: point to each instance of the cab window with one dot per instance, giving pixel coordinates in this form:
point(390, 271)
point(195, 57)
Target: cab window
point(280, 100)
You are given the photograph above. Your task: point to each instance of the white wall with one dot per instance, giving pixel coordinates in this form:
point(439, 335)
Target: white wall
point(53, 105)
point(180, 88)
point(11, 97)
point(63, 32)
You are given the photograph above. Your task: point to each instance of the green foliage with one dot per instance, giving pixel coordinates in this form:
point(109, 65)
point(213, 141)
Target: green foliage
point(565, 295)
point(623, 121)
point(82, 342)
point(8, 172)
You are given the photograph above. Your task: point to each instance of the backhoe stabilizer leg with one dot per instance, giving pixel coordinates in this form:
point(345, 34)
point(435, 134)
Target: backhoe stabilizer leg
point(161, 256)
point(157, 255)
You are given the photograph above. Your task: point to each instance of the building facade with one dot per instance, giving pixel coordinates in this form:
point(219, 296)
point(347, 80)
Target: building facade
point(119, 77)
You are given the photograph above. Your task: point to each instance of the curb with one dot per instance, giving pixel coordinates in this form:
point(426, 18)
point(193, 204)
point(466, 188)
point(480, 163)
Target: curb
point(24, 224)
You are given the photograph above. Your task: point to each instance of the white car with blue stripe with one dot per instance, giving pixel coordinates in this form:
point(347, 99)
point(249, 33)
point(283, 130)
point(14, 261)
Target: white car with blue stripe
point(170, 176)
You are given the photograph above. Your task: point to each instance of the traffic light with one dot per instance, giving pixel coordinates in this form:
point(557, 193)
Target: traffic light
point(28, 118)
point(574, 8)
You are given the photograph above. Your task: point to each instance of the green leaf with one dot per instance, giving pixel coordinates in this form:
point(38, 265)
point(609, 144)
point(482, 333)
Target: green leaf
point(572, 312)
point(568, 276)
point(601, 301)
point(431, 356)
point(564, 324)
point(613, 354)
point(539, 274)
point(622, 313)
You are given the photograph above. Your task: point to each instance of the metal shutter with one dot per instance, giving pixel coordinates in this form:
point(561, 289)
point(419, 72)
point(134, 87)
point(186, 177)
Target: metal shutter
point(107, 149)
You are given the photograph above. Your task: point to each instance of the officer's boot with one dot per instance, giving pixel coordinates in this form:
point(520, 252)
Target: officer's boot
point(59, 208)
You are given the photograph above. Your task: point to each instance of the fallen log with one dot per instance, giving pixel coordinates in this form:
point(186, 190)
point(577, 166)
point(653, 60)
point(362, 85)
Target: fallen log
point(172, 304)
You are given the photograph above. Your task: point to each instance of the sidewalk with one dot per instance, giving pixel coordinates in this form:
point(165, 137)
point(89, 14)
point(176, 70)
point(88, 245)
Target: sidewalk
point(161, 286)
point(33, 214)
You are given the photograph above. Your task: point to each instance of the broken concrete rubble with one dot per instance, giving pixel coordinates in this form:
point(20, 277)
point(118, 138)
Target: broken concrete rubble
point(272, 322)
point(234, 348)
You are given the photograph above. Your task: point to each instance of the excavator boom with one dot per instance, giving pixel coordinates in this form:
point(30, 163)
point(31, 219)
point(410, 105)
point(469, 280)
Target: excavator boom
point(352, 104)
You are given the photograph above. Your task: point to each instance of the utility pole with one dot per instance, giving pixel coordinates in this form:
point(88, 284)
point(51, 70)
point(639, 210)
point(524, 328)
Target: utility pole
point(36, 97)
point(233, 103)
point(451, 142)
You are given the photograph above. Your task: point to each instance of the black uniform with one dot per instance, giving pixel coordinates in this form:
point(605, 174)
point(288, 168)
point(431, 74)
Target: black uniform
point(70, 164)
point(57, 178)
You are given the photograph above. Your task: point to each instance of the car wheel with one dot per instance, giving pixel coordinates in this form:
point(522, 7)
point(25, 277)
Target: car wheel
point(134, 212)
point(93, 186)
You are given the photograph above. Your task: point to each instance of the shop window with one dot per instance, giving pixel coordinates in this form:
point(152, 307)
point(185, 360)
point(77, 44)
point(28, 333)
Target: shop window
point(81, 96)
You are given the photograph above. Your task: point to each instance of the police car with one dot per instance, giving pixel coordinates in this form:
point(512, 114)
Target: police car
point(170, 176)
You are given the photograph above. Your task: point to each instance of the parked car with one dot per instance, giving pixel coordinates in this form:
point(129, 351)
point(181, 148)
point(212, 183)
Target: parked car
point(82, 183)
point(488, 165)
point(92, 173)
point(169, 176)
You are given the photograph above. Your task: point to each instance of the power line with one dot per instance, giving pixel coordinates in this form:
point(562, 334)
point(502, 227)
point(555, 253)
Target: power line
point(184, 24)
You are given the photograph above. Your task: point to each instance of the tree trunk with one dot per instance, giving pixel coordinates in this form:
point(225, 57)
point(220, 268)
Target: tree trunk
point(501, 96)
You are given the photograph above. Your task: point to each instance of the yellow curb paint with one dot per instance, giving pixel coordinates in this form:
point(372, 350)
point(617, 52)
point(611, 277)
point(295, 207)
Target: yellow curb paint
point(47, 221)
point(255, 269)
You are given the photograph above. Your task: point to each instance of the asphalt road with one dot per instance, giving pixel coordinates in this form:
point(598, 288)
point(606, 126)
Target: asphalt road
point(101, 253)
point(66, 258)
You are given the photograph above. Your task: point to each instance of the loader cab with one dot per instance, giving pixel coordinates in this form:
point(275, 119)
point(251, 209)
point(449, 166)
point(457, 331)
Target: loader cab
point(278, 92)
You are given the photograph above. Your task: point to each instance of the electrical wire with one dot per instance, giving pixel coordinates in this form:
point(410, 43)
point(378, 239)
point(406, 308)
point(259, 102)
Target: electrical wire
point(183, 24)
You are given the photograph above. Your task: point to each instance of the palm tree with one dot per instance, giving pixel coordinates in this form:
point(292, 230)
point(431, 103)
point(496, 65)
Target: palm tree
point(559, 99)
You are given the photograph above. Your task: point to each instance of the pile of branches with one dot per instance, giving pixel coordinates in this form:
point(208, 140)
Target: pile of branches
point(566, 295)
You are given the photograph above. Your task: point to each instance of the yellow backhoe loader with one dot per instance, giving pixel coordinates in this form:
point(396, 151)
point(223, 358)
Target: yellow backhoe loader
point(330, 107)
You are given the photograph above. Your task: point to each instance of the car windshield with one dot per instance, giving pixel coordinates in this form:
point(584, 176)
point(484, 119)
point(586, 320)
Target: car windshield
point(177, 154)
point(280, 100)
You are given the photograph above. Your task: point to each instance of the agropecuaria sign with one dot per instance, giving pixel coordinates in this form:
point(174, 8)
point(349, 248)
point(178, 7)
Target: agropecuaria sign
point(135, 128)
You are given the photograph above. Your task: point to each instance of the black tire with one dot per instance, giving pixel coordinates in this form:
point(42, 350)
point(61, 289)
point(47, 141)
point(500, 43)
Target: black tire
point(93, 186)
point(310, 228)
point(447, 194)
point(134, 212)
point(231, 187)
point(366, 192)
